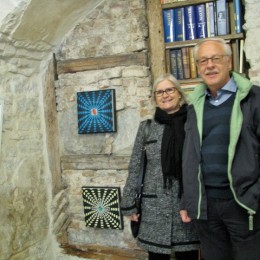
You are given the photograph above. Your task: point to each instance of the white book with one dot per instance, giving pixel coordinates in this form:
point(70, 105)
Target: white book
point(221, 10)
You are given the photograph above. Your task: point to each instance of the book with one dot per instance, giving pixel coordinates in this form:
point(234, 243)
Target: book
point(211, 19)
point(201, 21)
point(228, 17)
point(186, 62)
point(241, 56)
point(179, 64)
point(193, 68)
point(173, 63)
point(235, 55)
point(179, 24)
point(237, 16)
point(221, 9)
point(168, 25)
point(190, 20)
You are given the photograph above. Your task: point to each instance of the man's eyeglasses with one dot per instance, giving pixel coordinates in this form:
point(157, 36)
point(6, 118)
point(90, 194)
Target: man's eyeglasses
point(216, 59)
point(168, 91)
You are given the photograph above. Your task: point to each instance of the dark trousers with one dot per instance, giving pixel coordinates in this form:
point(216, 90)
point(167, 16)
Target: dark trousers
point(226, 235)
point(156, 256)
point(189, 255)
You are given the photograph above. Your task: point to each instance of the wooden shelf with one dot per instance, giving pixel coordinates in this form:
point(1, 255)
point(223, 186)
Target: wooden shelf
point(185, 3)
point(227, 37)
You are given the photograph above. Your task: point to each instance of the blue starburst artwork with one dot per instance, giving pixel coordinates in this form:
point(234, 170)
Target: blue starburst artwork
point(96, 111)
point(102, 207)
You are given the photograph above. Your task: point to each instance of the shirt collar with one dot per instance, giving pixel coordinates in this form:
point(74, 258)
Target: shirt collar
point(229, 87)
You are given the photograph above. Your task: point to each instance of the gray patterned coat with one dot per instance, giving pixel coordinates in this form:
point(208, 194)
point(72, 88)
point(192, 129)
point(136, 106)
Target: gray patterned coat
point(161, 230)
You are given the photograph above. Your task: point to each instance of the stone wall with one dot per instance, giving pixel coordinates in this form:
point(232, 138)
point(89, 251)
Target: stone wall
point(115, 28)
point(26, 46)
point(25, 228)
point(35, 201)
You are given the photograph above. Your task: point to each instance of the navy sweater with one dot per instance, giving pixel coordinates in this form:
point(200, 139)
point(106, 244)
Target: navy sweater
point(215, 141)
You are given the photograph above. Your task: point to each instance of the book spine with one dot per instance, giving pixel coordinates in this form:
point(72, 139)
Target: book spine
point(186, 62)
point(179, 64)
point(190, 21)
point(193, 68)
point(241, 56)
point(173, 63)
point(201, 21)
point(228, 17)
point(208, 18)
point(179, 24)
point(238, 16)
point(168, 25)
point(212, 19)
point(221, 17)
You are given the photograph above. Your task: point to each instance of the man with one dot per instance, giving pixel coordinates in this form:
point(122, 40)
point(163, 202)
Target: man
point(221, 175)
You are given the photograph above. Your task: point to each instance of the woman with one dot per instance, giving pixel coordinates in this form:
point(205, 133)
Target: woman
point(162, 231)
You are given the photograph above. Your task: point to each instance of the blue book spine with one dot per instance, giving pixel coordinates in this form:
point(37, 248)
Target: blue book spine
point(238, 17)
point(179, 64)
point(179, 24)
point(173, 63)
point(201, 21)
point(221, 17)
point(168, 25)
point(190, 22)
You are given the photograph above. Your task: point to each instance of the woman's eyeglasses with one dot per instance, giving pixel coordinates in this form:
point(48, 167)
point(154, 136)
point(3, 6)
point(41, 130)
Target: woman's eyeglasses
point(168, 91)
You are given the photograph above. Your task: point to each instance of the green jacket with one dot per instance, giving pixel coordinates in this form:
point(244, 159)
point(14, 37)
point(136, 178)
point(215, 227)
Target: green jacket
point(243, 152)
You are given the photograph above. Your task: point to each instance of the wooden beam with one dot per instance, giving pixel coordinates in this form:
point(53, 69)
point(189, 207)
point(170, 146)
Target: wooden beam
point(156, 38)
point(72, 66)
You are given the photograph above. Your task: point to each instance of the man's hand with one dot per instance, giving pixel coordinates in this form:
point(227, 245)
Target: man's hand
point(184, 216)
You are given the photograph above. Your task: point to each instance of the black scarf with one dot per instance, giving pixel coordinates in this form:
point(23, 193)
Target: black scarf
point(172, 144)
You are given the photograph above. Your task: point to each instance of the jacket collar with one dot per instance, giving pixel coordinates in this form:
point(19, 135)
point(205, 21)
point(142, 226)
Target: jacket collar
point(243, 85)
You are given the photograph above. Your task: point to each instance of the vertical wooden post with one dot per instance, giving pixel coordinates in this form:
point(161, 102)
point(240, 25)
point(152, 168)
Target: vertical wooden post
point(156, 38)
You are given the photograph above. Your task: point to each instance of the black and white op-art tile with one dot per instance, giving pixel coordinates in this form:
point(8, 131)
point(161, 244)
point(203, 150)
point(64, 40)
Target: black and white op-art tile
point(102, 207)
point(96, 111)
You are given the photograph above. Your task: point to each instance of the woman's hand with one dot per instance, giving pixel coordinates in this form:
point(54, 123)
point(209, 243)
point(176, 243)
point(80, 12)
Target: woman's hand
point(134, 217)
point(184, 216)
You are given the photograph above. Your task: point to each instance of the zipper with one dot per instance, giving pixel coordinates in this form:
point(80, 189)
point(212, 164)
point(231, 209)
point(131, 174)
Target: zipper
point(251, 221)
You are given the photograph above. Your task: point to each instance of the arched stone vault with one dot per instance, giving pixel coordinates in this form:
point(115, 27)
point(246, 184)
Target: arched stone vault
point(29, 33)
point(34, 21)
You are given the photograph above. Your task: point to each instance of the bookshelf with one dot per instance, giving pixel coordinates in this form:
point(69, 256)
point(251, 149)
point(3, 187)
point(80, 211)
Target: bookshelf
point(161, 51)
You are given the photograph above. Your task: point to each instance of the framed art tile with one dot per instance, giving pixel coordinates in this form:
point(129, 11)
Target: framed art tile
point(102, 207)
point(96, 111)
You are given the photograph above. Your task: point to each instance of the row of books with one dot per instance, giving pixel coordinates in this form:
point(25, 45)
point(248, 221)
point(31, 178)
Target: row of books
point(201, 20)
point(182, 63)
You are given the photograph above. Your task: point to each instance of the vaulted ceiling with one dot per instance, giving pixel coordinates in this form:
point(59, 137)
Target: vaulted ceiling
point(46, 21)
